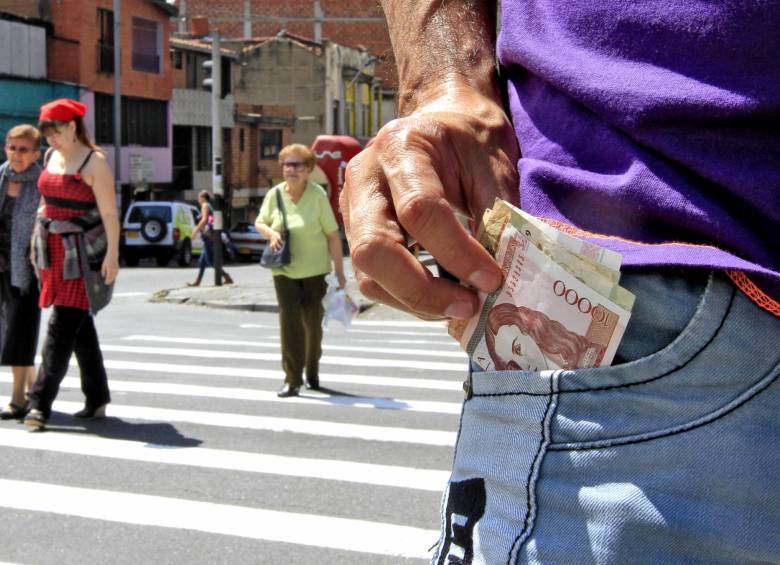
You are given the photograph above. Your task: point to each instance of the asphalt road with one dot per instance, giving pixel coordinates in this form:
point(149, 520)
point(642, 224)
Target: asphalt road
point(200, 462)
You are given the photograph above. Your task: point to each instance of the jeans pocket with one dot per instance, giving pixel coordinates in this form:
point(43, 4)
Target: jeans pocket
point(489, 506)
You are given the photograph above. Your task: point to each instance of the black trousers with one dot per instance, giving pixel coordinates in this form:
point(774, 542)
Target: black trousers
point(71, 330)
point(20, 321)
point(300, 321)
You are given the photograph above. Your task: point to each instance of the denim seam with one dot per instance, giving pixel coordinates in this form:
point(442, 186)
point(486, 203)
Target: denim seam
point(533, 474)
point(443, 510)
point(625, 385)
point(723, 411)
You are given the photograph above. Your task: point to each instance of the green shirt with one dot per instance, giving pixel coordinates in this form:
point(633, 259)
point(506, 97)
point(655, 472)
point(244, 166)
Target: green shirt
point(310, 221)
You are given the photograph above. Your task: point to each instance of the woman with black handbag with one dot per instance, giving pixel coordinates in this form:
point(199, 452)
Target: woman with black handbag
point(303, 239)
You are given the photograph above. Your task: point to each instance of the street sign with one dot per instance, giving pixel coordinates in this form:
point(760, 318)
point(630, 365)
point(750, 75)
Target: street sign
point(141, 168)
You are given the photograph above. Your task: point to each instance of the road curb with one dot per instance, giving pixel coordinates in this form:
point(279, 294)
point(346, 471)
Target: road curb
point(162, 297)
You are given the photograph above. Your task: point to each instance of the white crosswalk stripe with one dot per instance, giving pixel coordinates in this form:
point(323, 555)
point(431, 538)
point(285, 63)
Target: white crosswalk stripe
point(304, 529)
point(234, 343)
point(270, 374)
point(325, 360)
point(383, 475)
point(396, 408)
point(269, 396)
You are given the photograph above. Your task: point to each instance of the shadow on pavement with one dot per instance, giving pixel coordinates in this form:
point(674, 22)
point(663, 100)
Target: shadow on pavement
point(158, 433)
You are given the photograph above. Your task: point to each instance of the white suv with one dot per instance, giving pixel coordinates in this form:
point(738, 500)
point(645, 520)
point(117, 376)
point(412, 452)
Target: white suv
point(162, 230)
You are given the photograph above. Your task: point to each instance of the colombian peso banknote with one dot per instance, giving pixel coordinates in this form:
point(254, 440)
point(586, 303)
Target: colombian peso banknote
point(546, 315)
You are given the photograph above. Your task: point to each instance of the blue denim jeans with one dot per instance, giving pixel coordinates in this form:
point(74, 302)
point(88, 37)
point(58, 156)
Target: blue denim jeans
point(672, 457)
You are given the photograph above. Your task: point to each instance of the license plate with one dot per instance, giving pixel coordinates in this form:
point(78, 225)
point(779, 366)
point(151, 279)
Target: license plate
point(133, 233)
point(245, 251)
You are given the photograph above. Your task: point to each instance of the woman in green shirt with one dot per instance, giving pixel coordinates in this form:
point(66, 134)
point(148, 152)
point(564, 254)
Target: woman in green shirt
point(300, 286)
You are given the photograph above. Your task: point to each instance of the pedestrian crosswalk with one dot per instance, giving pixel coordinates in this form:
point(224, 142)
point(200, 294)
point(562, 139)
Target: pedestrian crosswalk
point(198, 447)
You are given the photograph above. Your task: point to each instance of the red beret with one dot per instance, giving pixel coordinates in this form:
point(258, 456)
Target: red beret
point(62, 110)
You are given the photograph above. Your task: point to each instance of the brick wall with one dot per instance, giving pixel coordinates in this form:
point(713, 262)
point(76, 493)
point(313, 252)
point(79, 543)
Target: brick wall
point(248, 169)
point(373, 36)
point(73, 49)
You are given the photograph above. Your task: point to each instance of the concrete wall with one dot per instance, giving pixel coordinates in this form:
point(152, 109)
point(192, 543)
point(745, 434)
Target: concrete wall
point(283, 73)
point(193, 107)
point(371, 35)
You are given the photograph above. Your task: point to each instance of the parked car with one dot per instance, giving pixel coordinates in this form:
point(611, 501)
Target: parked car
point(249, 243)
point(160, 229)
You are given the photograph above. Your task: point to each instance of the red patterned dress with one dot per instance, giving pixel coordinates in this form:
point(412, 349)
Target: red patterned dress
point(67, 197)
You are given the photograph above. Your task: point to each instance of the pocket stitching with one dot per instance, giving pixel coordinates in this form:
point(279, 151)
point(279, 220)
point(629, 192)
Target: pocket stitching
point(753, 392)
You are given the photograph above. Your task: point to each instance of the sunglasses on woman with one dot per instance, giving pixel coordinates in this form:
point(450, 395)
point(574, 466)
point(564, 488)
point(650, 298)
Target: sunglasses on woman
point(294, 165)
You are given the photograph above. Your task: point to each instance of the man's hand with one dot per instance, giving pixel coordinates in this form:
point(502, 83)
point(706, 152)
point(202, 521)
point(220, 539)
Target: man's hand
point(456, 151)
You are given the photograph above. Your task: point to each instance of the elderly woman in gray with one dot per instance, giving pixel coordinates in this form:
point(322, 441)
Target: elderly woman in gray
point(19, 312)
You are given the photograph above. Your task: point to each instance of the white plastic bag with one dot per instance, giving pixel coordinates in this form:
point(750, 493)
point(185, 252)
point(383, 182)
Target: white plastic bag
point(339, 307)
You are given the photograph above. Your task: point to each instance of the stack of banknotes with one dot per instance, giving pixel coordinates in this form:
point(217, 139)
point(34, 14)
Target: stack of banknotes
point(560, 307)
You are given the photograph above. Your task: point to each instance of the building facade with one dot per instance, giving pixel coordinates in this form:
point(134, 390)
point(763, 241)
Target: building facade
point(351, 23)
point(79, 51)
point(24, 86)
point(332, 87)
point(191, 116)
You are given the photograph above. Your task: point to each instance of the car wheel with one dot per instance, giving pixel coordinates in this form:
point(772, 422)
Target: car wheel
point(163, 259)
point(185, 255)
point(153, 230)
point(131, 258)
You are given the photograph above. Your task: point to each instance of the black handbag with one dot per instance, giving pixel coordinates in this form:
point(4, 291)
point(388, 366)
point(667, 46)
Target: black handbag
point(272, 259)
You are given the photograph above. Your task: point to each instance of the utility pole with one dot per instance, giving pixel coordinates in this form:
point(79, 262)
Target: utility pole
point(216, 152)
point(247, 19)
point(117, 107)
point(319, 16)
point(182, 16)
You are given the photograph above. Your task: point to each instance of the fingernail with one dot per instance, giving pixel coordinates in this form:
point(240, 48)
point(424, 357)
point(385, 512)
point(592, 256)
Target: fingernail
point(484, 280)
point(460, 310)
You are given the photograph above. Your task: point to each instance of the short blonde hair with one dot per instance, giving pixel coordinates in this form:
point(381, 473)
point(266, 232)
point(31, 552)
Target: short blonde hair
point(302, 151)
point(25, 131)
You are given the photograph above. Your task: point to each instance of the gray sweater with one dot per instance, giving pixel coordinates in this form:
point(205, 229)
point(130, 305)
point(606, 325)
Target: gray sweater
point(25, 211)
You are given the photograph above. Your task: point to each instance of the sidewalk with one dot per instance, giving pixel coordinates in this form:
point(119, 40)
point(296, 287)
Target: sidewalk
point(257, 296)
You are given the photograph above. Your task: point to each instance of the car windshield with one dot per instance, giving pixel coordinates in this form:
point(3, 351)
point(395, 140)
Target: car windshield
point(140, 213)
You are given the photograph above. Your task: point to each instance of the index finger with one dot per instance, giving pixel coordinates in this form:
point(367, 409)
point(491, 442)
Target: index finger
point(425, 213)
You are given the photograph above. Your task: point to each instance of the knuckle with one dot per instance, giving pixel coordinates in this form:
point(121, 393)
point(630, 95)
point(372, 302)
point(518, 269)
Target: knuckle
point(363, 249)
point(416, 302)
point(370, 289)
point(354, 166)
point(416, 210)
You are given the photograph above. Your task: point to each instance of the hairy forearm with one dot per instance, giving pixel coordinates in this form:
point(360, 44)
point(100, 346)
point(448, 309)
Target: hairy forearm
point(440, 45)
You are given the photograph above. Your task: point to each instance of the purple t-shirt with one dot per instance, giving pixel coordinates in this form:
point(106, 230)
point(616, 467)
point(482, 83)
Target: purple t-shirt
point(655, 122)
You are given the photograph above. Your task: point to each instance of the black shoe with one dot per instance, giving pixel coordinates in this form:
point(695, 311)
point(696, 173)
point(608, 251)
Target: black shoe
point(88, 413)
point(13, 412)
point(35, 419)
point(312, 384)
point(288, 390)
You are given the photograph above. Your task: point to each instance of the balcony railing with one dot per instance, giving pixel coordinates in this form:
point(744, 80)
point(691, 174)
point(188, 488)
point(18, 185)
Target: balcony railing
point(105, 58)
point(146, 63)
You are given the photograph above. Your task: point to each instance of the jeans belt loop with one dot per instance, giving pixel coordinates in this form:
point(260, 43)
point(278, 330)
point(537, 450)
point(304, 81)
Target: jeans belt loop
point(467, 385)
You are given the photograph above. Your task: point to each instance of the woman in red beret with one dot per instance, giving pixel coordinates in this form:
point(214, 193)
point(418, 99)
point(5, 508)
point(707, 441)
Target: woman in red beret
point(76, 251)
